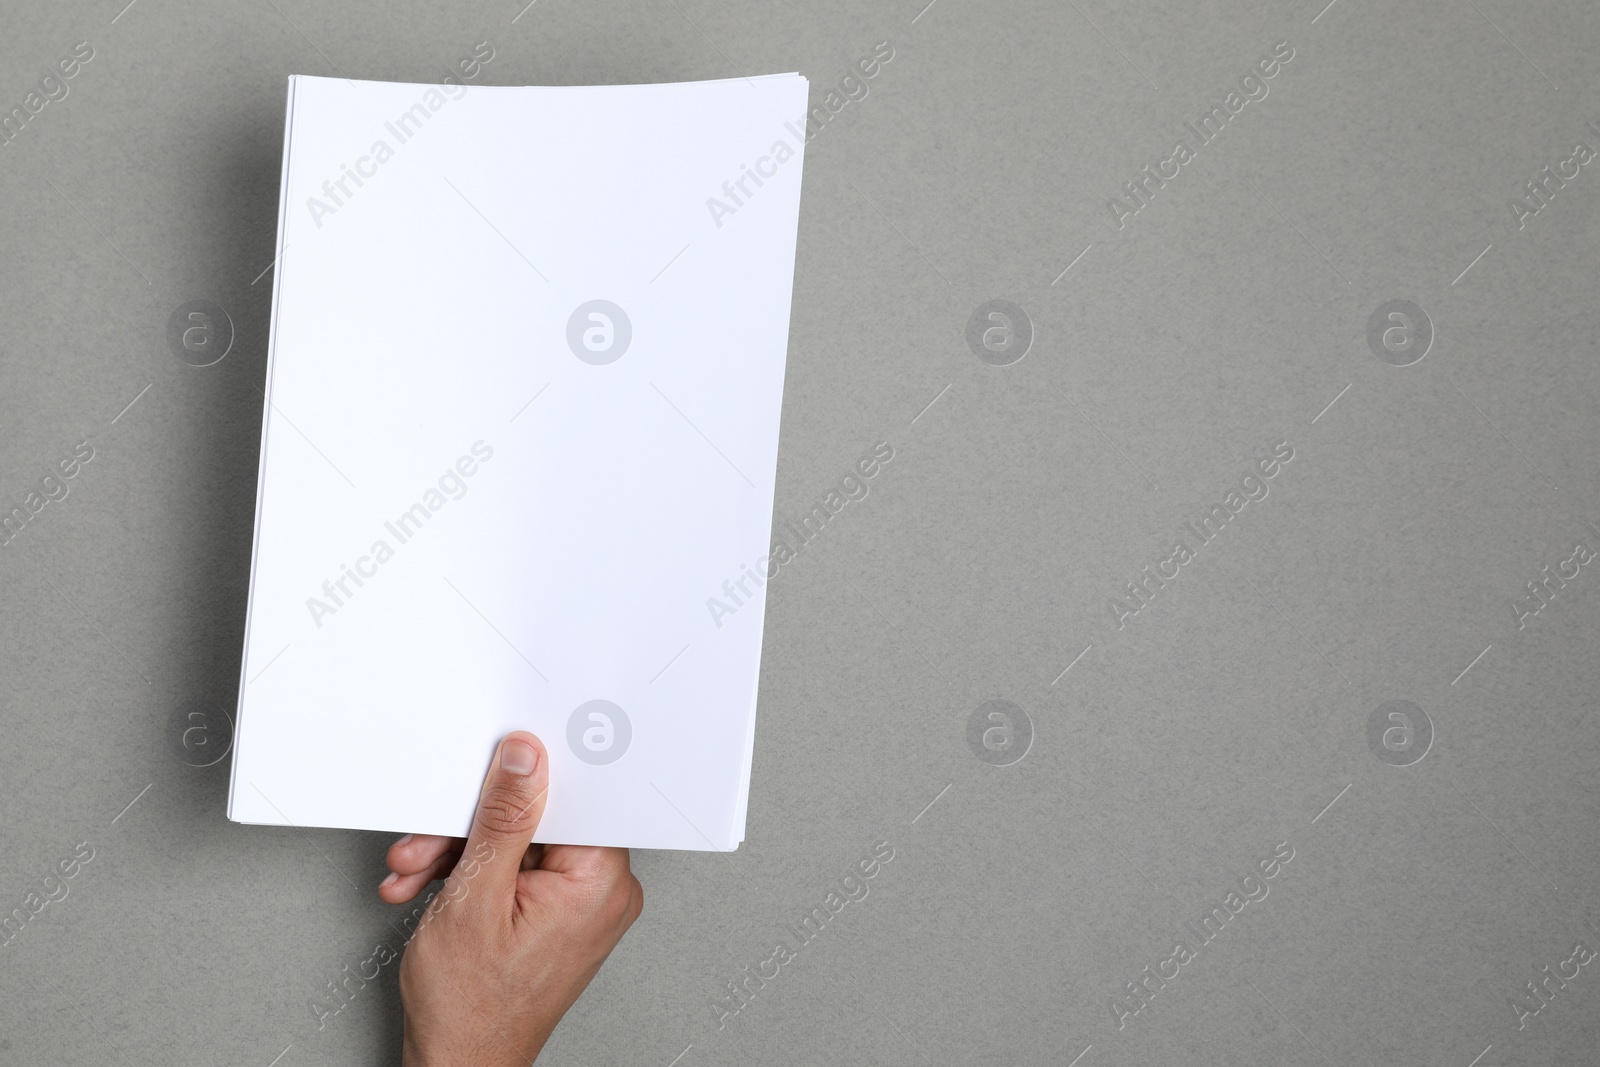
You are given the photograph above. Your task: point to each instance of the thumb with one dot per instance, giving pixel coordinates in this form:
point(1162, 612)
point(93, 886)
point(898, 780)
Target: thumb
point(509, 809)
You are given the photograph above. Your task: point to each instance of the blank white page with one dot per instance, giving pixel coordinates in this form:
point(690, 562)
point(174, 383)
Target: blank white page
point(486, 501)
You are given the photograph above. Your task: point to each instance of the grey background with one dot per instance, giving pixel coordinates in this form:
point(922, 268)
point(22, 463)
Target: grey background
point(1223, 719)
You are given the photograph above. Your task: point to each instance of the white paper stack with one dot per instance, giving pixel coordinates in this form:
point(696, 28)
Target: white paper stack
point(525, 373)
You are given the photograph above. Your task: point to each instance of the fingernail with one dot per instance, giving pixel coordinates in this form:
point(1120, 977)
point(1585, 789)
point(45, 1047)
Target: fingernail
point(389, 881)
point(518, 757)
point(406, 840)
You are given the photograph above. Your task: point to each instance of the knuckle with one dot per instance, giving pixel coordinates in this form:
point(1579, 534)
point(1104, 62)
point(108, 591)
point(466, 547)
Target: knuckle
point(615, 909)
point(503, 810)
point(623, 902)
point(601, 905)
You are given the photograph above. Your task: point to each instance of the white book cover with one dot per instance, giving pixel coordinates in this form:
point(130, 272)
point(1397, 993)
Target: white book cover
point(524, 380)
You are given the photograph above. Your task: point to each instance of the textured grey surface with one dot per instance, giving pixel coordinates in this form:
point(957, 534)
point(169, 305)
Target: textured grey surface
point(1224, 718)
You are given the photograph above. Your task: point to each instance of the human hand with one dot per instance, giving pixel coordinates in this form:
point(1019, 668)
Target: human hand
point(518, 931)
